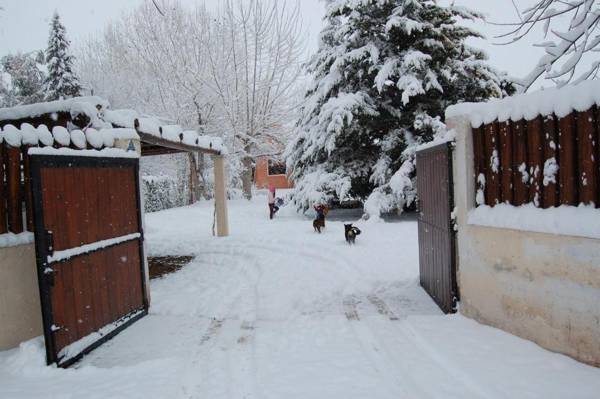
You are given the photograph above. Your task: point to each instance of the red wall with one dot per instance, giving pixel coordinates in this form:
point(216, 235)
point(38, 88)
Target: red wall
point(262, 179)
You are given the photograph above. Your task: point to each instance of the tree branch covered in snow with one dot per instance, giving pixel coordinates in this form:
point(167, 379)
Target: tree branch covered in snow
point(232, 73)
point(382, 78)
point(572, 39)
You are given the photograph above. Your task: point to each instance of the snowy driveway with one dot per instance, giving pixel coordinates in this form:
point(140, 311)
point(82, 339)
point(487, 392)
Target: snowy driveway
point(277, 311)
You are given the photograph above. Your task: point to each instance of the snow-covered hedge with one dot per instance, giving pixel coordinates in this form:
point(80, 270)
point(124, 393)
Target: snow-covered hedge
point(160, 192)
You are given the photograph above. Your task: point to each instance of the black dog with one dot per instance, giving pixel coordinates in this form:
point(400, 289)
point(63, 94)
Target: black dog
point(318, 224)
point(351, 233)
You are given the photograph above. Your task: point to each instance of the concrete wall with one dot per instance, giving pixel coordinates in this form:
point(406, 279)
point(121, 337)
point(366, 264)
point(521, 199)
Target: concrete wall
point(542, 287)
point(20, 311)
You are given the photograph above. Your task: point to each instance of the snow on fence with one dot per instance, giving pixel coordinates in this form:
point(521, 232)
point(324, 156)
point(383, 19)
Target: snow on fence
point(16, 214)
point(540, 149)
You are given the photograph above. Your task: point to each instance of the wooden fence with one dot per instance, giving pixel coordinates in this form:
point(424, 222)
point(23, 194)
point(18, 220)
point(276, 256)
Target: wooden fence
point(16, 213)
point(547, 161)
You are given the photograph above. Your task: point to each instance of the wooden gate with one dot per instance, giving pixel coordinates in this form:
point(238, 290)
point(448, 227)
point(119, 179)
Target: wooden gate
point(88, 233)
point(437, 258)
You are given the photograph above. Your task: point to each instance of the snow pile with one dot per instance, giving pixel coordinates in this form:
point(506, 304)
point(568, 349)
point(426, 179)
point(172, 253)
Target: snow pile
point(558, 101)
point(71, 252)
point(105, 152)
point(12, 136)
point(153, 126)
point(581, 221)
point(61, 135)
point(171, 132)
point(445, 136)
point(550, 171)
point(78, 139)
point(94, 137)
point(75, 106)
point(13, 240)
point(44, 135)
point(80, 345)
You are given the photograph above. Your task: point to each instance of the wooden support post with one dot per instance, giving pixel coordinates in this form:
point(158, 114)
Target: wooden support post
point(221, 196)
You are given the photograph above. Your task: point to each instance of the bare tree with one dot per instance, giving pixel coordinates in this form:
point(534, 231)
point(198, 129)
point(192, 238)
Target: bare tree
point(573, 27)
point(232, 73)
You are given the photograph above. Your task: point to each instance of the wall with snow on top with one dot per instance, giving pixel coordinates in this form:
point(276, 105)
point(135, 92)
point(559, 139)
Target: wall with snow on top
point(560, 102)
point(20, 310)
point(532, 272)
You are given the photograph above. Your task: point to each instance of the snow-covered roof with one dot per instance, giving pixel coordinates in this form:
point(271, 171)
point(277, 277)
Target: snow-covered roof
point(103, 119)
point(26, 134)
point(560, 102)
point(173, 133)
point(92, 107)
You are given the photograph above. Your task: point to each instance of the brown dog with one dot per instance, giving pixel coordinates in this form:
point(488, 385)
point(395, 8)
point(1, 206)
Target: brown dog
point(319, 222)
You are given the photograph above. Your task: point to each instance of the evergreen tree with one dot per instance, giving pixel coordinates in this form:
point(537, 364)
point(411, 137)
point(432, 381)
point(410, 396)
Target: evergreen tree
point(22, 80)
point(61, 82)
point(383, 76)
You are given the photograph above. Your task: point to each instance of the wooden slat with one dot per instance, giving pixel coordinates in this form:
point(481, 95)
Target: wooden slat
point(506, 162)
point(520, 184)
point(587, 137)
point(535, 164)
point(550, 189)
point(568, 181)
point(27, 187)
point(3, 221)
point(492, 160)
point(478, 154)
point(14, 204)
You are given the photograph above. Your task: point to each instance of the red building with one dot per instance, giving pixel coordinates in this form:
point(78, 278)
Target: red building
point(269, 171)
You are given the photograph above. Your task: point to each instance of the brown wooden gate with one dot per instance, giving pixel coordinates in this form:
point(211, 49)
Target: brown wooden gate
point(437, 258)
point(88, 232)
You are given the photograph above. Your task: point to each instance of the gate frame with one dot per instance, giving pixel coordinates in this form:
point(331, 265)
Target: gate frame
point(455, 291)
point(37, 162)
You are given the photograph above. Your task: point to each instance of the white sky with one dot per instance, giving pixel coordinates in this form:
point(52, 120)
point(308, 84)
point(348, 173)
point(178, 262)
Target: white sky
point(24, 25)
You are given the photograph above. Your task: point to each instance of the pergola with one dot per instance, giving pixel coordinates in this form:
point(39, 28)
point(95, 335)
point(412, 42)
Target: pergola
point(91, 124)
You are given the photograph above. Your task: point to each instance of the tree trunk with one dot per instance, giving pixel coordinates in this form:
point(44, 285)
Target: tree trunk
point(247, 180)
point(194, 182)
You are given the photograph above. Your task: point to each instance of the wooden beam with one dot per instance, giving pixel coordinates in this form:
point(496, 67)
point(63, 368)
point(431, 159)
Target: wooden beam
point(159, 141)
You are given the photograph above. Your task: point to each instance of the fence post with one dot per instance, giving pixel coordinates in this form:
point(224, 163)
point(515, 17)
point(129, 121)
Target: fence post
point(586, 154)
point(3, 226)
point(506, 161)
point(13, 177)
point(221, 196)
point(567, 174)
point(550, 189)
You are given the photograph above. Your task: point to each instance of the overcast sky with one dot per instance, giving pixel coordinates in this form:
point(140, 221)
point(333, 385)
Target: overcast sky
point(24, 25)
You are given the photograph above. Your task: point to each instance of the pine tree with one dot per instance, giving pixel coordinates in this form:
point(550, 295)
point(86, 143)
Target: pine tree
point(61, 82)
point(23, 80)
point(383, 76)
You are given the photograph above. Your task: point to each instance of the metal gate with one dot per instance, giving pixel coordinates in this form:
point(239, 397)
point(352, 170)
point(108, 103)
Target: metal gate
point(437, 257)
point(88, 234)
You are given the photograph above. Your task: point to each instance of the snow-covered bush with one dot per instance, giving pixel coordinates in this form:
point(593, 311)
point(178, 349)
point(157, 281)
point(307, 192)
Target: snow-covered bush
point(160, 192)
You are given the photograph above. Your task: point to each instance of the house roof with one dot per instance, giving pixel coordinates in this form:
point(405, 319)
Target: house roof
point(88, 122)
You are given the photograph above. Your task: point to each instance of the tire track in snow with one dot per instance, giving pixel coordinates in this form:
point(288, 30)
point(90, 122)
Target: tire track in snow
point(382, 307)
point(372, 350)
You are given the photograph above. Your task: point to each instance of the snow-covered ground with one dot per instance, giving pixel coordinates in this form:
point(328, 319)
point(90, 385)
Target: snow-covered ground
point(278, 311)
